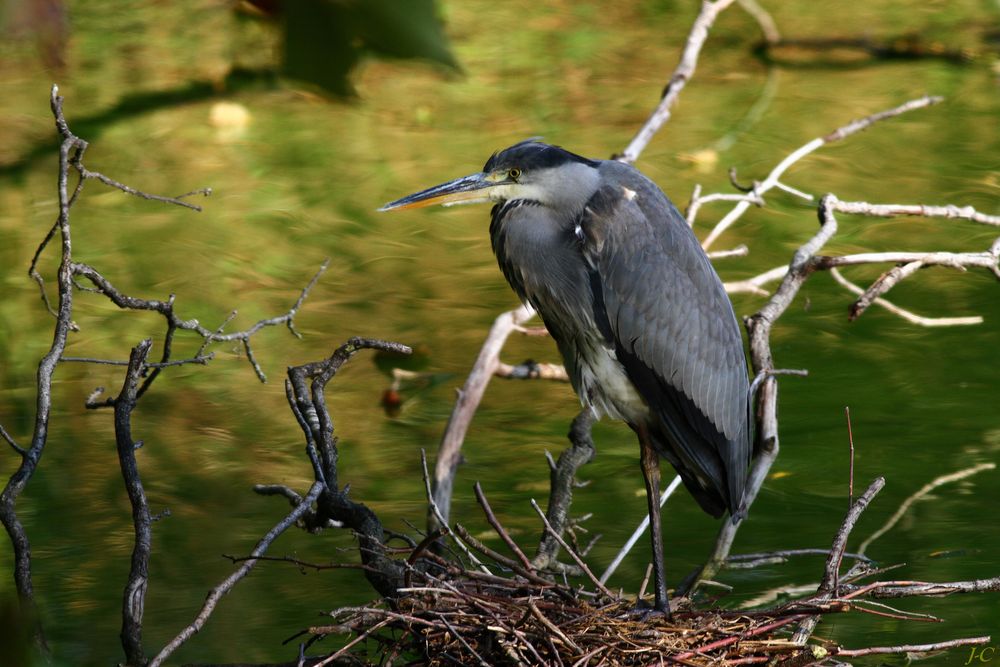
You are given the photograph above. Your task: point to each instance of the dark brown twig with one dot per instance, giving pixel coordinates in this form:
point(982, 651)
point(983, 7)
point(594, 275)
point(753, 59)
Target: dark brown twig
point(828, 584)
point(498, 527)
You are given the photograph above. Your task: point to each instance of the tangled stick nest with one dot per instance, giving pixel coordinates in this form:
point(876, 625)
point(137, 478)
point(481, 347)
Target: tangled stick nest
point(475, 620)
point(447, 613)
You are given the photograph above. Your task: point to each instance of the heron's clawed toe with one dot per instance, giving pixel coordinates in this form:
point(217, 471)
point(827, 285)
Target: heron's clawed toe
point(645, 612)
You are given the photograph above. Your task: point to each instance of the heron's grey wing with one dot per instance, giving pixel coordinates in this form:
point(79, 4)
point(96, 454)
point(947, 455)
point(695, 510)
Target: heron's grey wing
point(674, 328)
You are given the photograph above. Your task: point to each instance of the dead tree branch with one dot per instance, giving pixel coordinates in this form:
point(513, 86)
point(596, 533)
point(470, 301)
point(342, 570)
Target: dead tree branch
point(305, 389)
point(469, 396)
point(138, 377)
point(134, 598)
point(227, 585)
point(681, 75)
point(774, 177)
point(176, 323)
point(46, 368)
point(562, 476)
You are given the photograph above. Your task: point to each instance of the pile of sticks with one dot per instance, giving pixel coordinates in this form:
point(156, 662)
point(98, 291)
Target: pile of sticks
point(475, 620)
point(501, 611)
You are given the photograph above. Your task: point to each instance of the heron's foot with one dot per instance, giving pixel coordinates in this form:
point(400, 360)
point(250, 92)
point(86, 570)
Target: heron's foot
point(645, 612)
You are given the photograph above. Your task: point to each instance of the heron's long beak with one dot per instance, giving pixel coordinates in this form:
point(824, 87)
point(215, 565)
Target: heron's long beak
point(469, 189)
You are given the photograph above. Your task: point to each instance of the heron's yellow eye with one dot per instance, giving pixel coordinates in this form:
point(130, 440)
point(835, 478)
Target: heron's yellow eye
point(514, 174)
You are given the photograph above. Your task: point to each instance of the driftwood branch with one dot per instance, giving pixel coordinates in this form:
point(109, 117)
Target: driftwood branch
point(774, 177)
point(681, 75)
point(469, 396)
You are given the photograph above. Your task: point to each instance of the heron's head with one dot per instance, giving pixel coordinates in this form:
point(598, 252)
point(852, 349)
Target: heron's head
point(529, 170)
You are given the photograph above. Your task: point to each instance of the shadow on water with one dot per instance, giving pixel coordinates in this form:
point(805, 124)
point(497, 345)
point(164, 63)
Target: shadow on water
point(131, 105)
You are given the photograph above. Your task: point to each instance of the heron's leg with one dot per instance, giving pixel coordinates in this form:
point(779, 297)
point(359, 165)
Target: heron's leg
point(650, 462)
point(563, 473)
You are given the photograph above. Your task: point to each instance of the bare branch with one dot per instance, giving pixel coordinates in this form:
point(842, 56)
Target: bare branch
point(774, 177)
point(134, 596)
point(167, 310)
point(87, 174)
point(755, 285)
point(562, 477)
point(919, 210)
point(442, 522)
point(954, 260)
point(637, 533)
point(902, 589)
point(752, 560)
point(911, 648)
point(682, 74)
point(739, 251)
point(13, 443)
point(828, 585)
point(498, 527)
point(201, 360)
point(215, 595)
point(907, 315)
point(19, 479)
point(469, 396)
point(767, 25)
point(579, 561)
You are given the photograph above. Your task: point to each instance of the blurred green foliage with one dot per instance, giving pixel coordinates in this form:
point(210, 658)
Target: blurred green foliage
point(324, 40)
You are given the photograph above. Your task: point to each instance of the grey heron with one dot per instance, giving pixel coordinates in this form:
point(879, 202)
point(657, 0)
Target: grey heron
point(643, 323)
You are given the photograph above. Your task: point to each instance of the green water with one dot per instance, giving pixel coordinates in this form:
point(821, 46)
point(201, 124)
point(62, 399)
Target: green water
point(301, 183)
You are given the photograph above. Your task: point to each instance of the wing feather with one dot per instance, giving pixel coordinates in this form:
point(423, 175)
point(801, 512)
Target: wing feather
point(674, 330)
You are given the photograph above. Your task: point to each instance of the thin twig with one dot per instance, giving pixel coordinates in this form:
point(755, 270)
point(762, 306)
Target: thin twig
point(227, 585)
point(682, 74)
point(841, 133)
point(553, 628)
point(911, 648)
point(10, 441)
point(907, 315)
point(579, 561)
point(442, 523)
point(638, 532)
point(498, 527)
point(850, 474)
